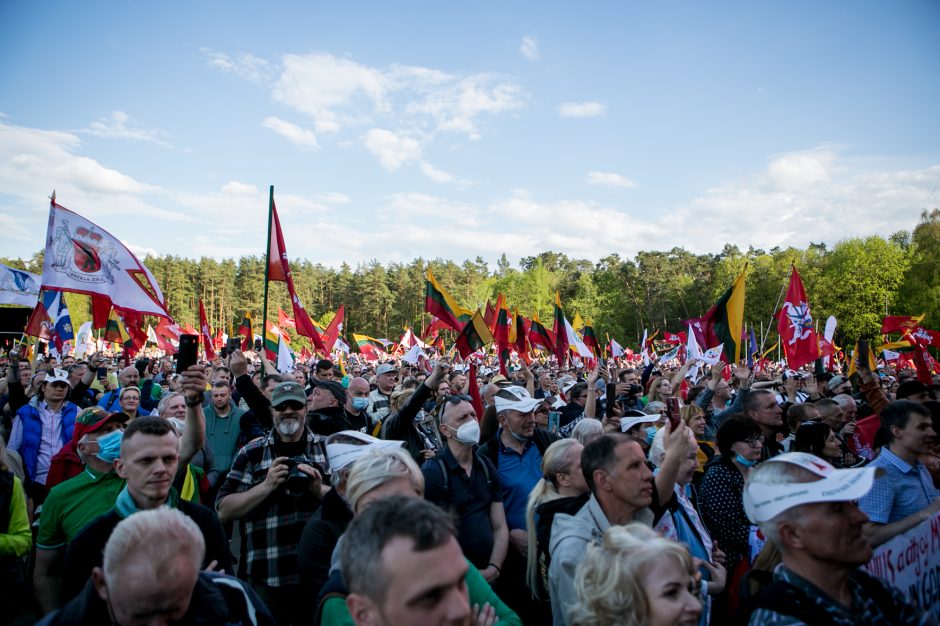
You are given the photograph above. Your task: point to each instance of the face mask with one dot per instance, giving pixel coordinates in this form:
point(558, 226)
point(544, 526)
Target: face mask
point(468, 433)
point(650, 434)
point(517, 437)
point(360, 404)
point(288, 427)
point(745, 462)
point(109, 446)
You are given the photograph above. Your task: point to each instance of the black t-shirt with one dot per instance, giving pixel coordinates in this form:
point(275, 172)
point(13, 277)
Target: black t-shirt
point(469, 497)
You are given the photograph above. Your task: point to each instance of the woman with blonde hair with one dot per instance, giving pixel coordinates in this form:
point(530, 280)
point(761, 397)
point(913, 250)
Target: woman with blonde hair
point(562, 489)
point(636, 578)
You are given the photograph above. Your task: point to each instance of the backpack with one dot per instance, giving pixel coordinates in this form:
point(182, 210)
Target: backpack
point(483, 462)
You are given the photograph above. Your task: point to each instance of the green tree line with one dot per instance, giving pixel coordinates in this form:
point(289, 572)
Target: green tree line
point(857, 280)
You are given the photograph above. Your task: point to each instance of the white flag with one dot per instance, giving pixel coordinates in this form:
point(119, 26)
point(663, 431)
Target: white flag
point(713, 355)
point(84, 258)
point(669, 356)
point(18, 288)
point(84, 340)
point(890, 355)
point(692, 348)
point(285, 361)
point(616, 350)
point(574, 339)
point(414, 354)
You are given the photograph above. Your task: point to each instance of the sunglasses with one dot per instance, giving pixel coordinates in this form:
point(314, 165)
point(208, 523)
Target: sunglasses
point(290, 404)
point(457, 398)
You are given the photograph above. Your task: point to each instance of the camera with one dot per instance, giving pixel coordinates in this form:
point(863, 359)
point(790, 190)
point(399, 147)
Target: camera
point(297, 483)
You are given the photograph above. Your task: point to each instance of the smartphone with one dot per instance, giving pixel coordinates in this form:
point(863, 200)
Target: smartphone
point(40, 348)
point(257, 345)
point(553, 418)
point(861, 357)
point(141, 365)
point(224, 352)
point(234, 343)
point(189, 348)
point(612, 399)
point(672, 412)
point(101, 373)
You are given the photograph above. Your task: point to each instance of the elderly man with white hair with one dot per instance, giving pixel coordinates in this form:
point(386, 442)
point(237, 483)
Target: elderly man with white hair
point(806, 507)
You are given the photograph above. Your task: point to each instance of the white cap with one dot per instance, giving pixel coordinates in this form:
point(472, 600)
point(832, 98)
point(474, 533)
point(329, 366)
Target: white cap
point(765, 501)
point(637, 417)
point(515, 398)
point(58, 376)
point(346, 446)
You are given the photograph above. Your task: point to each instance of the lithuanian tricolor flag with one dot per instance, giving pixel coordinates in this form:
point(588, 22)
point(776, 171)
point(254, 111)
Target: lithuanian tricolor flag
point(441, 304)
point(115, 331)
point(474, 336)
point(244, 329)
point(590, 339)
point(539, 335)
point(271, 335)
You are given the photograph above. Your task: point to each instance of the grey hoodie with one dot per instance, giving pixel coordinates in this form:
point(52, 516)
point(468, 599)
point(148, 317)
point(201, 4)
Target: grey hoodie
point(571, 535)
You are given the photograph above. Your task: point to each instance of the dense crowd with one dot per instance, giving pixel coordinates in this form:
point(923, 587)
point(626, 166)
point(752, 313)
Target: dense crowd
point(444, 493)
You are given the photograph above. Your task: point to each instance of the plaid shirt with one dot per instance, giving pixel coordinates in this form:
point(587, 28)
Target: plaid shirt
point(273, 529)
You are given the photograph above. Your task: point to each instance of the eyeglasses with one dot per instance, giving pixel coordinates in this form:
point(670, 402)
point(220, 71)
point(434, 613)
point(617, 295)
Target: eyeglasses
point(457, 398)
point(755, 442)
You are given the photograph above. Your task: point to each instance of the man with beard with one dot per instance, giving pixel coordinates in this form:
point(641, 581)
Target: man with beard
point(274, 486)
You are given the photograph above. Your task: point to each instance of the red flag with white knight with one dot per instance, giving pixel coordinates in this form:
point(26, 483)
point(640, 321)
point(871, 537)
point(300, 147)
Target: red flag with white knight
point(795, 325)
point(82, 257)
point(205, 333)
point(284, 320)
point(279, 269)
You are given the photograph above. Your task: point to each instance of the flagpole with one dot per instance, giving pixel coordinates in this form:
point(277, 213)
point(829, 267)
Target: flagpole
point(267, 266)
point(786, 283)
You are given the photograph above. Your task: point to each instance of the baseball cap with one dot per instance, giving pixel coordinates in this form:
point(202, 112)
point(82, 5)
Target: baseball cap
point(835, 381)
point(386, 368)
point(765, 501)
point(346, 446)
point(58, 376)
point(634, 417)
point(93, 419)
point(287, 391)
point(515, 398)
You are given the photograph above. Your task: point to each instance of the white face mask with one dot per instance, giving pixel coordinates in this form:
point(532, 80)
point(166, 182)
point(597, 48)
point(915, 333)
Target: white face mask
point(288, 427)
point(468, 433)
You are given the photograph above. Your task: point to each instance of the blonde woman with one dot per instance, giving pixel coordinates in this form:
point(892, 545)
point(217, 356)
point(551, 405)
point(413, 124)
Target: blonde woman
point(562, 488)
point(636, 578)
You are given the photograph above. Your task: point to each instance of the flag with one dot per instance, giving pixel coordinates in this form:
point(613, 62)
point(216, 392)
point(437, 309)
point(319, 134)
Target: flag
point(872, 363)
point(519, 336)
point(334, 328)
point(918, 335)
point(115, 331)
point(83, 339)
point(891, 345)
point(271, 341)
point(674, 338)
point(413, 354)
point(574, 341)
point(474, 336)
point(433, 328)
point(502, 324)
point(539, 335)
point(795, 325)
point(168, 336)
point(713, 355)
point(489, 314)
point(84, 258)
point(341, 346)
point(60, 321)
point(577, 323)
point(369, 346)
point(410, 340)
point(205, 333)
point(889, 355)
point(899, 323)
point(723, 322)
point(560, 348)
point(18, 288)
point(590, 340)
point(279, 270)
point(284, 320)
point(616, 350)
point(441, 304)
point(752, 350)
point(151, 335)
point(474, 391)
point(39, 324)
point(669, 356)
point(285, 360)
point(244, 329)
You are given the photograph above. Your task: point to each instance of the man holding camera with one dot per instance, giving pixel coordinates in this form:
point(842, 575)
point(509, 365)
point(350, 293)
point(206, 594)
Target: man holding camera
point(274, 486)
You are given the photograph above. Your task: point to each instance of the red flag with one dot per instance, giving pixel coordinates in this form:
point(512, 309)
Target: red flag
point(795, 325)
point(924, 337)
point(923, 364)
point(279, 269)
point(189, 329)
point(219, 340)
point(168, 336)
point(862, 443)
point(284, 321)
point(521, 330)
point(501, 327)
point(100, 310)
point(434, 326)
point(334, 328)
point(675, 339)
point(133, 324)
point(205, 333)
point(561, 333)
point(489, 315)
point(39, 324)
point(899, 323)
point(474, 390)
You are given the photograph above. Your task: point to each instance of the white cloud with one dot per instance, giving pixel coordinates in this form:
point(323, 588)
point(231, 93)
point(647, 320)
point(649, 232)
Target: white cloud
point(235, 188)
point(392, 150)
point(245, 66)
point(334, 197)
point(120, 126)
point(609, 179)
point(302, 137)
point(582, 109)
point(529, 48)
point(456, 106)
point(801, 169)
point(438, 176)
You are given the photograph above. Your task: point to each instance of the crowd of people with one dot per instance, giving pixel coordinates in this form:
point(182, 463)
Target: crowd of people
point(438, 492)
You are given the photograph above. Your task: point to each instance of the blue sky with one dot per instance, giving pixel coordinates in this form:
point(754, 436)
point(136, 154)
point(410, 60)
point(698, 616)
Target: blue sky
point(456, 130)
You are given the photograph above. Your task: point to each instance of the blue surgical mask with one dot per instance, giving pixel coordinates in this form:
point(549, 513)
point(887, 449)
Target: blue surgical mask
point(360, 404)
point(745, 462)
point(109, 446)
point(650, 434)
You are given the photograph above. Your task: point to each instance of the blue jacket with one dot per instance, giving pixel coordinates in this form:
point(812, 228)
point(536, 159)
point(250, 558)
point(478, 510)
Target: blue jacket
point(32, 432)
